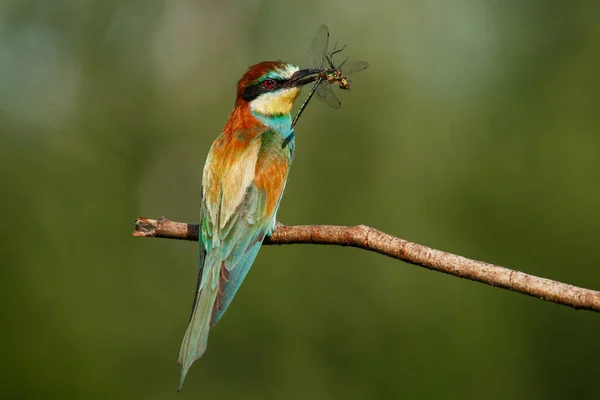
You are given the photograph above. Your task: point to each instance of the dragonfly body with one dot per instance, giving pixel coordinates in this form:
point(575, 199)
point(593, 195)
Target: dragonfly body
point(320, 60)
point(336, 76)
point(243, 181)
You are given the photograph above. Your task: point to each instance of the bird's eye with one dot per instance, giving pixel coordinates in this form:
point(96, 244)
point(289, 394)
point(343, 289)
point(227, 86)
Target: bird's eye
point(268, 83)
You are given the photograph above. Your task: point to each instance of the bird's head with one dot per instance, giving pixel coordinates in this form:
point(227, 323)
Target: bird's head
point(270, 87)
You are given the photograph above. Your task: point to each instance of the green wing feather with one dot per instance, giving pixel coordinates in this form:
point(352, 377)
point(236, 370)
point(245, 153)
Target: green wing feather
point(226, 255)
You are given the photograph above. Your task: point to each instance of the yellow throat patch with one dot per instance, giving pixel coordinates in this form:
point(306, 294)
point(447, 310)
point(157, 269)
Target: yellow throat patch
point(275, 103)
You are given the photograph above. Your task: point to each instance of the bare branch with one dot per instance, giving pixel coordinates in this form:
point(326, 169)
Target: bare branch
point(366, 238)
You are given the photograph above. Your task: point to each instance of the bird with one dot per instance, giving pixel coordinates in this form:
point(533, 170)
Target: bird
point(242, 184)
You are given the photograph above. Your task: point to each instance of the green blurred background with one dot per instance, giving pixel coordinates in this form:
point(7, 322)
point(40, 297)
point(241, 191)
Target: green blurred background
point(475, 130)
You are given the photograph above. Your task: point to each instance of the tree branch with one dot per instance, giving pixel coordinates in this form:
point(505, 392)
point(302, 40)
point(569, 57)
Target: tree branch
point(366, 238)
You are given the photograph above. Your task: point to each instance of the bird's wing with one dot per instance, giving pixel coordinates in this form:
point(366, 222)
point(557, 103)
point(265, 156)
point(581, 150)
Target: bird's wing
point(242, 187)
point(243, 233)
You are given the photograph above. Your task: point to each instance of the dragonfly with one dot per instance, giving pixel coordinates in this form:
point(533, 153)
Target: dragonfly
point(327, 73)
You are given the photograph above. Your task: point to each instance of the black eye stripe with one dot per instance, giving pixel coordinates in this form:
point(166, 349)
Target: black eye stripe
point(253, 91)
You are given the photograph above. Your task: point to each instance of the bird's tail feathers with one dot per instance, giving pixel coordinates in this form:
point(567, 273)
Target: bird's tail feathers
point(196, 336)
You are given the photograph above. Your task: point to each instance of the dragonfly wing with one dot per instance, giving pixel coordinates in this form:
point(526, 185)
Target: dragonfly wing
point(354, 66)
point(318, 47)
point(326, 95)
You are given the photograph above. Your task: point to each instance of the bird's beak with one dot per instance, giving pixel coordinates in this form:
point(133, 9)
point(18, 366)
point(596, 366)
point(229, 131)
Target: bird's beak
point(303, 77)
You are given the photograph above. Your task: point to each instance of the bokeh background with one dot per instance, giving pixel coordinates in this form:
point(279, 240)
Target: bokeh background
point(475, 130)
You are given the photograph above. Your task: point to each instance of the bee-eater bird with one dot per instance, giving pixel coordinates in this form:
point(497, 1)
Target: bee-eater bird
point(242, 184)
